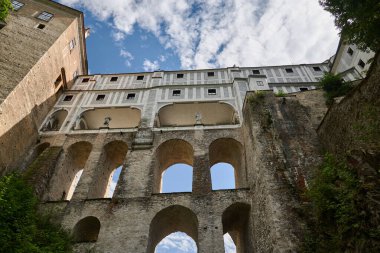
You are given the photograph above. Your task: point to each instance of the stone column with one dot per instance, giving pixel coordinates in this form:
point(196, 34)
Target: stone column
point(210, 233)
point(201, 174)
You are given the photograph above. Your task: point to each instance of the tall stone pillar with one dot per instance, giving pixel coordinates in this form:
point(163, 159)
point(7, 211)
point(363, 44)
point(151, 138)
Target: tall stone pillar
point(201, 174)
point(210, 232)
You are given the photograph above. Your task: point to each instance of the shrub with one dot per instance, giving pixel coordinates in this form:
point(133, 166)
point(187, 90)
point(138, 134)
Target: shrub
point(5, 6)
point(334, 87)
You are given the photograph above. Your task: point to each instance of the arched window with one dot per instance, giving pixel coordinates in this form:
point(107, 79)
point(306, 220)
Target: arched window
point(170, 220)
point(235, 221)
point(112, 157)
point(55, 121)
point(68, 173)
point(227, 151)
point(172, 152)
point(177, 242)
point(86, 230)
point(177, 178)
point(229, 244)
point(222, 176)
point(112, 182)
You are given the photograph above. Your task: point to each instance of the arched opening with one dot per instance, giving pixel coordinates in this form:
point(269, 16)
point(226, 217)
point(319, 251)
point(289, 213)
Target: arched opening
point(74, 160)
point(228, 150)
point(35, 153)
point(74, 184)
point(235, 221)
point(222, 176)
point(177, 242)
point(55, 121)
point(124, 117)
point(112, 182)
point(167, 154)
point(172, 219)
point(86, 230)
point(177, 178)
point(112, 157)
point(190, 114)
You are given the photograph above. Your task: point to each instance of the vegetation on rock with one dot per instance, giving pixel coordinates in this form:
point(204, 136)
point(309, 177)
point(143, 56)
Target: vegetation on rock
point(334, 87)
point(5, 7)
point(22, 228)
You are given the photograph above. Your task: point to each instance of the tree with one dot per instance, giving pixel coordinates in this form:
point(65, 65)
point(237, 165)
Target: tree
point(5, 6)
point(358, 21)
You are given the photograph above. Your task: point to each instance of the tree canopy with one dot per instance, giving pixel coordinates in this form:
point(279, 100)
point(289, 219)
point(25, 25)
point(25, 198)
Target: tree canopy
point(358, 20)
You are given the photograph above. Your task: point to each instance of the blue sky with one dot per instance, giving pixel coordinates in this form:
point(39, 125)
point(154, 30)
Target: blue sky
point(147, 35)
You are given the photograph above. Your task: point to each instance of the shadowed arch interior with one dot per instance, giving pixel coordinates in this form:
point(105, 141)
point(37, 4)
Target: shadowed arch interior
point(169, 153)
point(113, 155)
point(86, 230)
point(71, 161)
point(172, 219)
point(235, 221)
point(55, 121)
point(228, 150)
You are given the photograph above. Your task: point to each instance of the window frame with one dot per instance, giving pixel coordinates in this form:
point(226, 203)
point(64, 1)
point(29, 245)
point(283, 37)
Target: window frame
point(180, 75)
point(361, 63)
point(85, 80)
point(45, 16)
point(114, 79)
point(317, 68)
point(350, 51)
point(210, 74)
point(68, 98)
point(131, 96)
point(100, 97)
point(289, 70)
point(140, 78)
point(256, 72)
point(210, 91)
point(16, 5)
point(176, 93)
point(259, 83)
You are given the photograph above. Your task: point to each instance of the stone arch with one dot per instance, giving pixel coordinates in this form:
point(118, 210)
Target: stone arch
point(119, 117)
point(235, 220)
point(228, 150)
point(169, 153)
point(86, 230)
point(113, 156)
point(74, 159)
point(55, 120)
point(172, 219)
point(35, 153)
point(190, 114)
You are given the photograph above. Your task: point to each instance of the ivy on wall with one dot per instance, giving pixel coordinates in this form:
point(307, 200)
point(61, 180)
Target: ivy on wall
point(5, 7)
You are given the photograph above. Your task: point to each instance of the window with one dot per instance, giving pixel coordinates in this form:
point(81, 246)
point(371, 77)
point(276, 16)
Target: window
point(140, 78)
point(361, 63)
point(114, 78)
point(176, 92)
point(350, 51)
point(211, 91)
point(45, 16)
point(85, 80)
point(41, 26)
point(100, 97)
point(179, 75)
point(303, 89)
point(68, 98)
point(17, 5)
point(210, 73)
point(259, 83)
point(131, 96)
point(317, 69)
point(256, 72)
point(289, 70)
point(72, 44)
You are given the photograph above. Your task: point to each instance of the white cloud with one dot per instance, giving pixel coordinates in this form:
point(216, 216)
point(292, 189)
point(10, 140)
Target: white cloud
point(127, 55)
point(220, 33)
point(178, 240)
point(229, 245)
point(118, 36)
point(149, 65)
point(162, 58)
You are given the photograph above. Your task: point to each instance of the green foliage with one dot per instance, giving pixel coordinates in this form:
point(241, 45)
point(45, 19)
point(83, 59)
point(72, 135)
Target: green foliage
point(22, 229)
point(5, 7)
point(280, 94)
point(358, 20)
point(256, 98)
point(338, 220)
point(334, 87)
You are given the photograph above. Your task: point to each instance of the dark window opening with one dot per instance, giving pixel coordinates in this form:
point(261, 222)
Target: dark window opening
point(289, 70)
point(317, 69)
point(100, 97)
point(45, 16)
point(211, 91)
point(303, 89)
point(68, 98)
point(350, 51)
point(176, 92)
point(361, 63)
point(140, 78)
point(41, 26)
point(17, 5)
point(210, 73)
point(85, 80)
point(114, 78)
point(256, 72)
point(131, 96)
point(179, 75)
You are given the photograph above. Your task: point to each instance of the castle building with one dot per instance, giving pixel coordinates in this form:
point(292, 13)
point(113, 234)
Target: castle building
point(42, 50)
